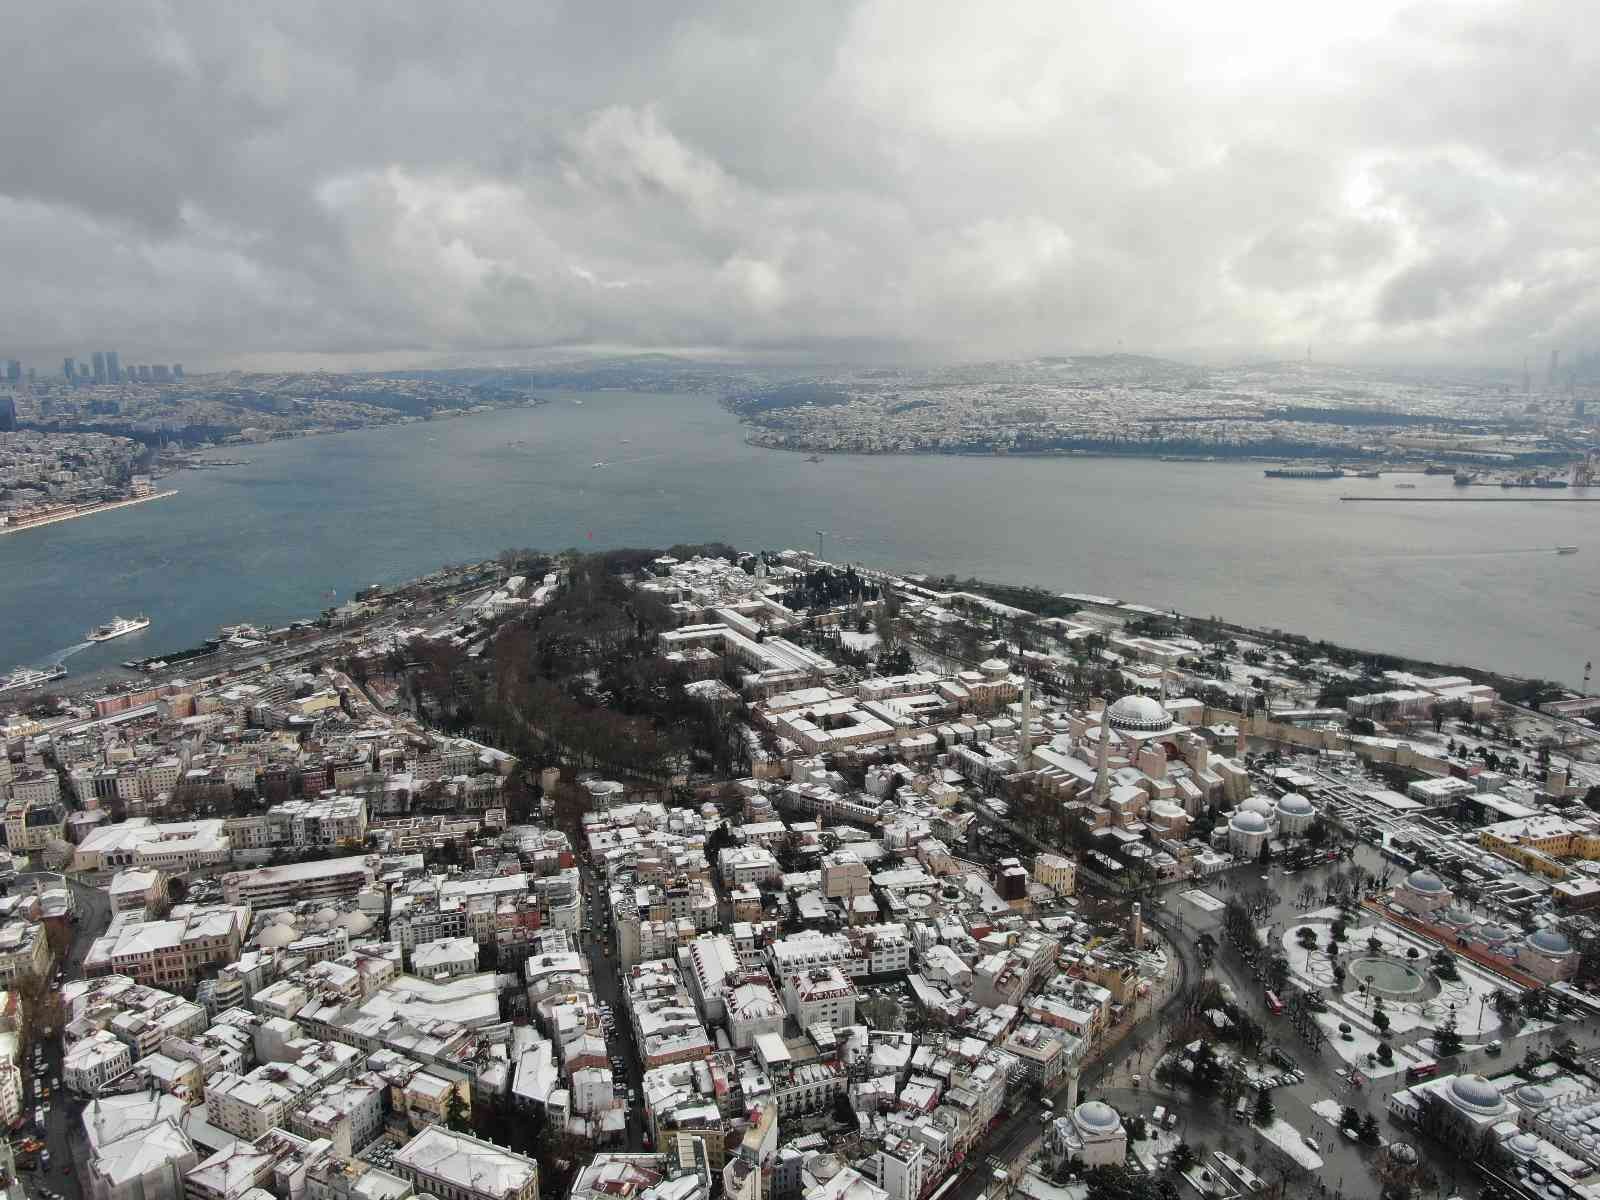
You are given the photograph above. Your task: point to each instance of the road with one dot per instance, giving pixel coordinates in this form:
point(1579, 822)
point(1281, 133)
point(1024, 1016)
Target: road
point(603, 976)
point(62, 1129)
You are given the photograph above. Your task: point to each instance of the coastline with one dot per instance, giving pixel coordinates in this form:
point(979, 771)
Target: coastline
point(87, 511)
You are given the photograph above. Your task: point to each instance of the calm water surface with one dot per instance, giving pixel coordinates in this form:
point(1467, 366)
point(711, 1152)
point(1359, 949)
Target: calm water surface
point(1476, 583)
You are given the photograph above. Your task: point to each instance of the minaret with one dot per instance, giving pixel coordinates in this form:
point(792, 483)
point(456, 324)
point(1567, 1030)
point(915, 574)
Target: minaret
point(1138, 927)
point(1103, 763)
point(1072, 1089)
point(1025, 742)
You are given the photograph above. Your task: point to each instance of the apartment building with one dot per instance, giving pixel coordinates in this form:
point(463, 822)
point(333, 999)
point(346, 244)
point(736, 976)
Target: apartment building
point(94, 1061)
point(276, 887)
point(24, 951)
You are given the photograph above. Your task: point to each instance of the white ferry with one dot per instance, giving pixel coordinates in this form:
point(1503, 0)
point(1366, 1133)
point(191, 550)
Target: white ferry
point(117, 627)
point(28, 677)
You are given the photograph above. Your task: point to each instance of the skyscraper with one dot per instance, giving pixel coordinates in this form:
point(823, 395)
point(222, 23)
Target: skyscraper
point(99, 360)
point(113, 367)
point(8, 414)
point(14, 370)
point(69, 368)
point(177, 370)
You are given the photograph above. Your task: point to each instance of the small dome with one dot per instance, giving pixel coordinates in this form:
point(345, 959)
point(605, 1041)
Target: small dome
point(1531, 1095)
point(1256, 804)
point(1295, 805)
point(276, 936)
point(1457, 916)
point(285, 918)
point(1424, 881)
point(1496, 933)
point(1248, 822)
point(1524, 1145)
point(1138, 714)
point(1098, 1116)
point(355, 922)
point(1550, 941)
point(1476, 1094)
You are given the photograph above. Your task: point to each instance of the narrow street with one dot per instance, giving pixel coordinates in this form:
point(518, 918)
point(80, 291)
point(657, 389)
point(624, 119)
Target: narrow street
point(62, 1130)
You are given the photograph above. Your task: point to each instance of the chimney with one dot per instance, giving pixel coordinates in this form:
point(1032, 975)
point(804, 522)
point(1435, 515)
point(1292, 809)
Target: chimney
point(1138, 927)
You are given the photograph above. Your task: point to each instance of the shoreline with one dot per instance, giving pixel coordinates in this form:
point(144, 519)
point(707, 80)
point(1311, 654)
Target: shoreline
point(88, 511)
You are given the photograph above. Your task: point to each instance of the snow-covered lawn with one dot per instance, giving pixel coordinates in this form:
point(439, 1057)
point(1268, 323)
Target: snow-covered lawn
point(1328, 1110)
point(1287, 1138)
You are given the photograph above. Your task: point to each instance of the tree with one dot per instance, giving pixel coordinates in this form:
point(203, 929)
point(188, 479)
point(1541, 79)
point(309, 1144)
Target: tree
point(1349, 1118)
point(1264, 1109)
point(1385, 1055)
point(455, 1111)
point(1380, 1020)
point(1369, 1130)
point(1445, 1038)
point(1181, 1158)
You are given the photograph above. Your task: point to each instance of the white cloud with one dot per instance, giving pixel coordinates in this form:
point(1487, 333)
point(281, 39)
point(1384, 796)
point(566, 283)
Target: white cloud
point(1408, 179)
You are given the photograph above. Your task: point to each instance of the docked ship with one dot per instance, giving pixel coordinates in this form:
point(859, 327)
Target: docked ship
point(117, 627)
point(1304, 473)
point(28, 677)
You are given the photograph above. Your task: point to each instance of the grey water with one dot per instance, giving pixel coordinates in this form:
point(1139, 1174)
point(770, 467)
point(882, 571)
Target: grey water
point(1459, 583)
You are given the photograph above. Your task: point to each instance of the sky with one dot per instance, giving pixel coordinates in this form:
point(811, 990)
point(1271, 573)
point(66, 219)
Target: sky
point(359, 183)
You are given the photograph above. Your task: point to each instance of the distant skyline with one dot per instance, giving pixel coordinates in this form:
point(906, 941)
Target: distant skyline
point(377, 185)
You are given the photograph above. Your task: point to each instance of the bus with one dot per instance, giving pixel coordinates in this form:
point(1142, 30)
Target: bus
point(1273, 1003)
point(1418, 1071)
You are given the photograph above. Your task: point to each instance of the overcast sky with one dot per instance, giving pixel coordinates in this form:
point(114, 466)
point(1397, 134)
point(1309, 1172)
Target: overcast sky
point(363, 183)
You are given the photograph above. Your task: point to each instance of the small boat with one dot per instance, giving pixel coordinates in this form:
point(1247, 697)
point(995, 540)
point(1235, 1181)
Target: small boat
point(1368, 474)
point(596, 466)
point(1566, 549)
point(814, 458)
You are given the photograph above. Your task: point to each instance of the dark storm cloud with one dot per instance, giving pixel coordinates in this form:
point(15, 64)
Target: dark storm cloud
point(215, 180)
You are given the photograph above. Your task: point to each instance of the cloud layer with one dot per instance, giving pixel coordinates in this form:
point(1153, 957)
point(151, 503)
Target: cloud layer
point(241, 181)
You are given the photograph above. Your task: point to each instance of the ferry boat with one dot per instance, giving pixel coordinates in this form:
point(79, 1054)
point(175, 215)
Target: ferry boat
point(28, 677)
point(1464, 478)
point(117, 627)
point(1566, 549)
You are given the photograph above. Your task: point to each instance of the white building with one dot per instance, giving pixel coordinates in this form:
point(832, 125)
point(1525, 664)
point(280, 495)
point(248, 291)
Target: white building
point(94, 1061)
point(819, 994)
point(445, 958)
point(455, 1166)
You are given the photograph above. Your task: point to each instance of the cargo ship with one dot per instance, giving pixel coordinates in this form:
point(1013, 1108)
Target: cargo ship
point(118, 627)
point(1304, 473)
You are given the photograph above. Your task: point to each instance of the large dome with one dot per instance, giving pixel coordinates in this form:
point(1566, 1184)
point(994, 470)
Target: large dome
point(1424, 881)
point(1138, 714)
point(1097, 1116)
point(1256, 804)
point(1248, 822)
point(1476, 1094)
point(1550, 941)
point(276, 936)
point(1294, 805)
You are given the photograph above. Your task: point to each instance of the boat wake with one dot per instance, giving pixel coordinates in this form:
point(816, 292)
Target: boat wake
point(68, 652)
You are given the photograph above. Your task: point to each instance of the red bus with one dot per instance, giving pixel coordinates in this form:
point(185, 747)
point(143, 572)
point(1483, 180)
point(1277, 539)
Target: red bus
point(1426, 1069)
point(1275, 1004)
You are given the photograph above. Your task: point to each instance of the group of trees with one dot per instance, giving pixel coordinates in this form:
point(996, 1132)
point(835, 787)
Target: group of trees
point(578, 681)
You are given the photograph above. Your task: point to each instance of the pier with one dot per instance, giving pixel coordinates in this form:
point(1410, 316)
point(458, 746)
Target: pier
point(1476, 499)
